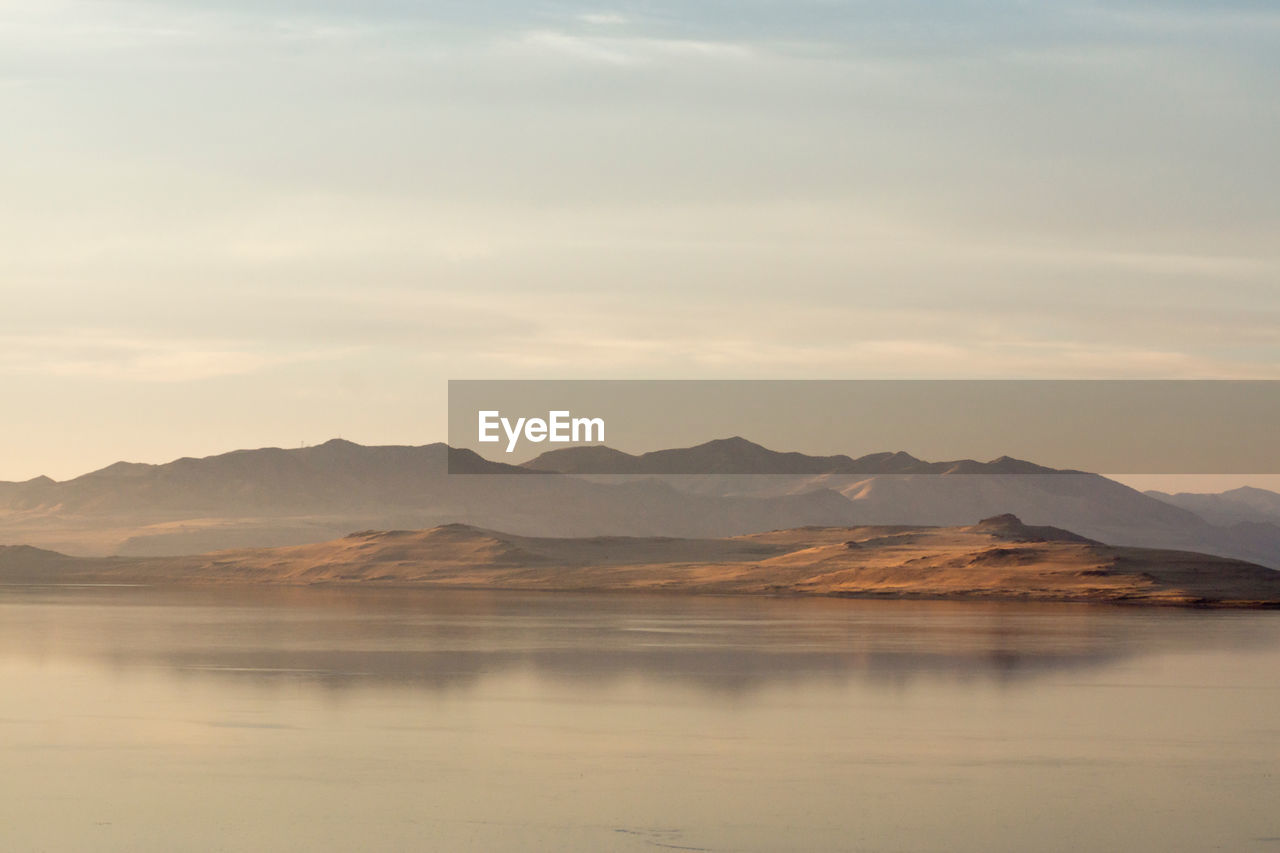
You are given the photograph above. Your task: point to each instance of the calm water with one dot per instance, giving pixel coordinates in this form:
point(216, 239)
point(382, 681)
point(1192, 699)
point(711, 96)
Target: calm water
point(139, 720)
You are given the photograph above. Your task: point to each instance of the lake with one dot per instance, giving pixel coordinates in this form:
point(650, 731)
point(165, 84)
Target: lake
point(135, 719)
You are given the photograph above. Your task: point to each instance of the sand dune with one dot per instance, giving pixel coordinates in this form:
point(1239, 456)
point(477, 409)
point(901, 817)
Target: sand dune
point(998, 558)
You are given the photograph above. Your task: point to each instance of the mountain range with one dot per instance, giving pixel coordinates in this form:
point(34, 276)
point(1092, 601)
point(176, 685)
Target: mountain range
point(738, 456)
point(278, 497)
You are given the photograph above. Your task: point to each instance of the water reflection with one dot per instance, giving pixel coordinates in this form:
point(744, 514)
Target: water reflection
point(149, 721)
point(450, 641)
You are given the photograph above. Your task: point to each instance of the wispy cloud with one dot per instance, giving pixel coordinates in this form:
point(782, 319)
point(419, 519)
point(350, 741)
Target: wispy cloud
point(603, 19)
point(629, 50)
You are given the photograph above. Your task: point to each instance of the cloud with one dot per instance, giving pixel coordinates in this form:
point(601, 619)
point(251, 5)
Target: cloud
point(620, 50)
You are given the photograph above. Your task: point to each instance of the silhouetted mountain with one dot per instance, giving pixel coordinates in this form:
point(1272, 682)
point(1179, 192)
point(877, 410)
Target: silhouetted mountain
point(273, 496)
point(276, 497)
point(739, 456)
point(335, 475)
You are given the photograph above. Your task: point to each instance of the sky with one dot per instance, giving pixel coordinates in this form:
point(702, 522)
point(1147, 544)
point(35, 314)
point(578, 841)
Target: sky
point(268, 223)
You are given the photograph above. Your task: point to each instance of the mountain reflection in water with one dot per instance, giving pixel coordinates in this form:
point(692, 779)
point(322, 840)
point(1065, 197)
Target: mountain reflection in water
point(446, 640)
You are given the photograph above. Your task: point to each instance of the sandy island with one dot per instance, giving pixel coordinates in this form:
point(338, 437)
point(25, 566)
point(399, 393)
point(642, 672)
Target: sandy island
point(999, 558)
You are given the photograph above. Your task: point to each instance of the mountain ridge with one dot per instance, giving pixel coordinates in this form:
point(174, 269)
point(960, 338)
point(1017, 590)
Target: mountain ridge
point(279, 497)
point(737, 455)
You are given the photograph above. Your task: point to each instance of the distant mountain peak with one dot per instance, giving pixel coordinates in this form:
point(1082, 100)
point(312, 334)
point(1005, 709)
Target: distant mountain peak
point(1252, 492)
point(339, 444)
point(734, 442)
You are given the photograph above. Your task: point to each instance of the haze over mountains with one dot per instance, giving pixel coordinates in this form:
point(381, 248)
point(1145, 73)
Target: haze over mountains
point(274, 497)
point(1246, 504)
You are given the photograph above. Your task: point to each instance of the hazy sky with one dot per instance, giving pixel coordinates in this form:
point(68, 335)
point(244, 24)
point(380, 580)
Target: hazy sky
point(263, 222)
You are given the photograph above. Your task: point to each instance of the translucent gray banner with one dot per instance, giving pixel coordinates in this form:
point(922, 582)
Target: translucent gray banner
point(866, 426)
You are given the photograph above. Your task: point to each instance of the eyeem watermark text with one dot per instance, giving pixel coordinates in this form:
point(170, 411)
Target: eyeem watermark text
point(560, 427)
